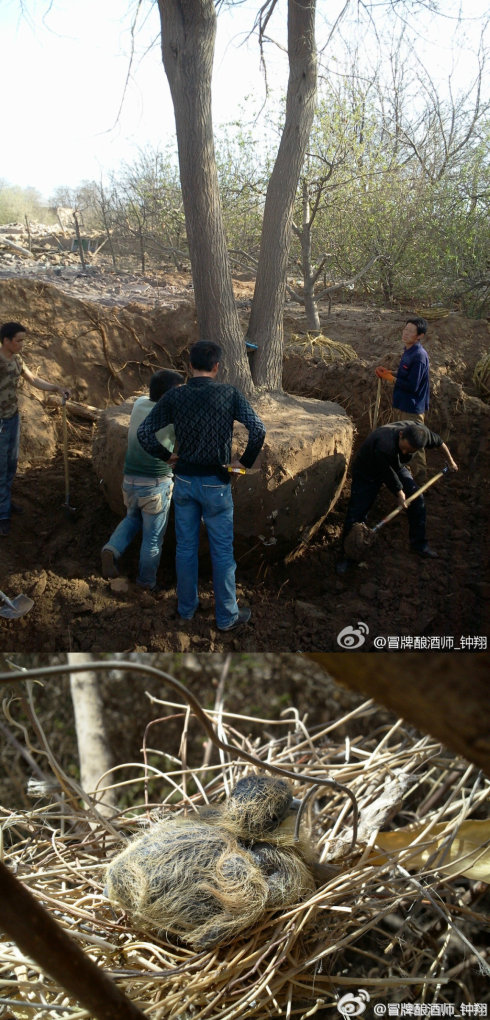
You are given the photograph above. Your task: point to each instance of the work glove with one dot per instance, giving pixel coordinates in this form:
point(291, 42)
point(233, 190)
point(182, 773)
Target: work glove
point(384, 373)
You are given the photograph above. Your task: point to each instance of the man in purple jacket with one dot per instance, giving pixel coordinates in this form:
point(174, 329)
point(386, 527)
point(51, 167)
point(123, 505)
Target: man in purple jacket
point(412, 387)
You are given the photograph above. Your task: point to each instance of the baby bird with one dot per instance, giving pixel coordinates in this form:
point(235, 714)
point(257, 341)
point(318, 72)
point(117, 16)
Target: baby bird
point(209, 878)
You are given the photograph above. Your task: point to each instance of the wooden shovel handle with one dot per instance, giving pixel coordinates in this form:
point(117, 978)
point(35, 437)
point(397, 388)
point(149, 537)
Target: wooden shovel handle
point(65, 450)
point(411, 498)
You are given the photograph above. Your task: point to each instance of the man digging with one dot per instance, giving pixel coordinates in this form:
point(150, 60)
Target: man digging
point(382, 460)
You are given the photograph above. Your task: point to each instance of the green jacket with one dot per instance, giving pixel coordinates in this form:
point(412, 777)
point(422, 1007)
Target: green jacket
point(137, 461)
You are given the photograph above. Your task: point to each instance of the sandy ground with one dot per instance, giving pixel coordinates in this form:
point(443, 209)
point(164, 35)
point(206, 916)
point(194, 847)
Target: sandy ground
point(391, 601)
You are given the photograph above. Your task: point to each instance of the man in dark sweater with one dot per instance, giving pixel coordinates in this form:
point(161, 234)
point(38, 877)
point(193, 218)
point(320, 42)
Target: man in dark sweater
point(202, 413)
point(382, 460)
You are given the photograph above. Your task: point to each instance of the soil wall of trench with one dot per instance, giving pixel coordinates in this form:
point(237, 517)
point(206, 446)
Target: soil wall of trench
point(106, 353)
point(106, 356)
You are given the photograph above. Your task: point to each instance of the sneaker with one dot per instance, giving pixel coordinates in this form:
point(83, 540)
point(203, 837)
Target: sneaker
point(4, 526)
point(16, 509)
point(426, 552)
point(243, 617)
point(109, 568)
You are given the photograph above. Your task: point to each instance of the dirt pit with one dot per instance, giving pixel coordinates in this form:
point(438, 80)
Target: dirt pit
point(392, 601)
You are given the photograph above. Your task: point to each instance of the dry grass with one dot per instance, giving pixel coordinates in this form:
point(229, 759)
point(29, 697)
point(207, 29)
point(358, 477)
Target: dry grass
point(316, 345)
point(481, 377)
point(402, 937)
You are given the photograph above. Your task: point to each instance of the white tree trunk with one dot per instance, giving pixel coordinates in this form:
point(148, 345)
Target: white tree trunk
point(266, 318)
point(188, 36)
point(93, 752)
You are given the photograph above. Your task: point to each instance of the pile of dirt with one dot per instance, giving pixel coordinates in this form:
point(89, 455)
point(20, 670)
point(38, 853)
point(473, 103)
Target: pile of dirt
point(394, 600)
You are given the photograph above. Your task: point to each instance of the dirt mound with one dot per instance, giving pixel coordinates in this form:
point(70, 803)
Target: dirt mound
point(102, 353)
point(106, 354)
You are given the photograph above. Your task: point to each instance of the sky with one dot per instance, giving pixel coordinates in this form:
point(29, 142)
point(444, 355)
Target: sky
point(65, 64)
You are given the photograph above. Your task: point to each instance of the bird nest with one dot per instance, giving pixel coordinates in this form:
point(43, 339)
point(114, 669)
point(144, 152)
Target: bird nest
point(392, 919)
point(316, 345)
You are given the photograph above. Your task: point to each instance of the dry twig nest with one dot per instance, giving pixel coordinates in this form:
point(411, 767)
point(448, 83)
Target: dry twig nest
point(402, 917)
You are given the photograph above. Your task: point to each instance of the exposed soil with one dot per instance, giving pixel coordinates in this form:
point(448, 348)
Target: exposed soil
point(298, 603)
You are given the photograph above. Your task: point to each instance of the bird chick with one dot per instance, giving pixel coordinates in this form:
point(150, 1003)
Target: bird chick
point(257, 805)
point(209, 878)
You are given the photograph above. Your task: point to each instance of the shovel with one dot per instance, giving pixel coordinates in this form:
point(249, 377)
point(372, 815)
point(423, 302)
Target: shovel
point(376, 405)
point(66, 505)
point(360, 537)
point(15, 608)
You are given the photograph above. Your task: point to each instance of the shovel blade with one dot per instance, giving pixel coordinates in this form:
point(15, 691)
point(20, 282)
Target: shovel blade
point(16, 607)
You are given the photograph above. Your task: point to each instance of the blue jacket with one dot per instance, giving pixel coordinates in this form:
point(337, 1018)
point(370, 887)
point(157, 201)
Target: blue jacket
point(411, 392)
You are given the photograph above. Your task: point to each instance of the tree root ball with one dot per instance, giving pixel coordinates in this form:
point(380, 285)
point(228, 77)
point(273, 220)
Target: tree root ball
point(198, 879)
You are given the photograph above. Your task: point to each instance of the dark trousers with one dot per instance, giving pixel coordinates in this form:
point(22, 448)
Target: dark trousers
point(363, 494)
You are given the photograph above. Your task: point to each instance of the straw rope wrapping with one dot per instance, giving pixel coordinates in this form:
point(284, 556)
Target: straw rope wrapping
point(320, 346)
point(370, 926)
point(481, 376)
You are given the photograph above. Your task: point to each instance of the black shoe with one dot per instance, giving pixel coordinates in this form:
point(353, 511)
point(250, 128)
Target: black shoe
point(426, 553)
point(109, 568)
point(243, 617)
point(4, 526)
point(342, 566)
point(16, 509)
point(156, 590)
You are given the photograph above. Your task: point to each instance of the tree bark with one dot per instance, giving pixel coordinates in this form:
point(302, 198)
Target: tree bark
point(188, 34)
point(266, 318)
point(441, 694)
point(93, 752)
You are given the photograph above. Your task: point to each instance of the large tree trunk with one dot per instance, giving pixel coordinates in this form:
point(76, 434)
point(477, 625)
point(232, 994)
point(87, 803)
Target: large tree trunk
point(266, 319)
point(93, 752)
point(441, 694)
point(188, 35)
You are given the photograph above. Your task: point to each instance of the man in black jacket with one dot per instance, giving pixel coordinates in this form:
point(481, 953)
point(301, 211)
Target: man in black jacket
point(202, 413)
point(383, 459)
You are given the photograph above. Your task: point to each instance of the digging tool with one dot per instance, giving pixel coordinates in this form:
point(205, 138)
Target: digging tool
point(360, 537)
point(382, 373)
point(376, 405)
point(15, 608)
point(66, 505)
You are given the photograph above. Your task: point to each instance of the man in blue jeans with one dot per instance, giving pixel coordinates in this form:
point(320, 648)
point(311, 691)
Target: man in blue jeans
point(147, 491)
point(202, 413)
point(12, 367)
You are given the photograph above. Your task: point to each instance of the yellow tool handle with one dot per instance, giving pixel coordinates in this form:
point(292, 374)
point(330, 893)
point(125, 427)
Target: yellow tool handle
point(411, 498)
